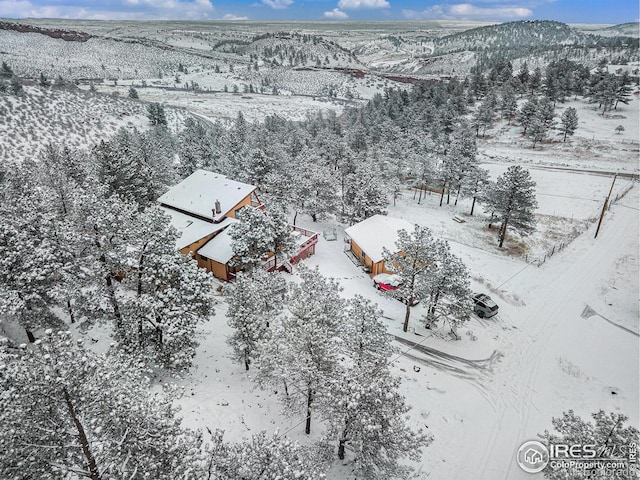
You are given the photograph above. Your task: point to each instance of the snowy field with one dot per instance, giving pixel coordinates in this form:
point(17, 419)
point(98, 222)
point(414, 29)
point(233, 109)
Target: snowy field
point(594, 146)
point(226, 106)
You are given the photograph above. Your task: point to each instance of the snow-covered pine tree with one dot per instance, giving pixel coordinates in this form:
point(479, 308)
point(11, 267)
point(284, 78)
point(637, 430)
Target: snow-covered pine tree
point(196, 148)
point(365, 193)
point(102, 225)
point(475, 186)
point(537, 131)
point(569, 122)
point(258, 234)
point(607, 432)
point(315, 189)
point(364, 410)
point(29, 255)
point(508, 102)
point(512, 202)
point(447, 283)
point(283, 244)
point(415, 255)
point(156, 115)
point(67, 412)
point(168, 294)
point(254, 301)
point(118, 169)
point(462, 154)
point(484, 115)
point(300, 353)
point(262, 457)
point(251, 238)
point(528, 113)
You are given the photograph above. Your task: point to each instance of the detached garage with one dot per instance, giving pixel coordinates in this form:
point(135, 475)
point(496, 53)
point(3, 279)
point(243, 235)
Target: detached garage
point(368, 238)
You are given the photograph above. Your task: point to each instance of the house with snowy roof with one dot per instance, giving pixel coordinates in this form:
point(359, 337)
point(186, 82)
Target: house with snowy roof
point(370, 237)
point(203, 206)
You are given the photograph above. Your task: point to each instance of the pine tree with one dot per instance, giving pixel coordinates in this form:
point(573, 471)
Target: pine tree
point(196, 148)
point(612, 439)
point(523, 76)
point(447, 282)
point(508, 103)
point(364, 411)
point(169, 295)
point(513, 202)
point(535, 80)
point(156, 115)
point(415, 255)
point(569, 122)
point(484, 115)
point(537, 130)
point(44, 81)
point(68, 412)
point(365, 193)
point(103, 224)
point(6, 71)
point(29, 260)
point(461, 157)
point(255, 301)
point(258, 235)
point(528, 113)
point(133, 93)
point(300, 353)
point(118, 167)
point(623, 90)
point(475, 186)
point(262, 457)
point(251, 238)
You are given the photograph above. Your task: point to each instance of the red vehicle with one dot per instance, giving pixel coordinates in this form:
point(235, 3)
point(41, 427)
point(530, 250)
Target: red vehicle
point(389, 283)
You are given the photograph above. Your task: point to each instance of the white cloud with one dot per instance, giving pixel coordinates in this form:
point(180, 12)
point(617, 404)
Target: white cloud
point(231, 17)
point(277, 4)
point(357, 4)
point(467, 11)
point(117, 10)
point(336, 14)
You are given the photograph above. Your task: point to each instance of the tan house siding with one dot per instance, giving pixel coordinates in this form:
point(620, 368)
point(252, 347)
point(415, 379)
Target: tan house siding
point(195, 246)
point(219, 270)
point(374, 267)
point(245, 202)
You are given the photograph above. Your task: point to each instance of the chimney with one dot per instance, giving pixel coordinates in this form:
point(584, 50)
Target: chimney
point(218, 209)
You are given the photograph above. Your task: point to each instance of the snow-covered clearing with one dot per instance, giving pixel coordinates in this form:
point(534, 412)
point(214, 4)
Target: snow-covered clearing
point(221, 105)
point(595, 145)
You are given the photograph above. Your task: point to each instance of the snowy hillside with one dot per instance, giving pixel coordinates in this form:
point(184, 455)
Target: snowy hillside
point(43, 116)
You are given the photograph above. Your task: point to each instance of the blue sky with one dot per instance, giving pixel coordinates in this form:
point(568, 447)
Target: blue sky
point(570, 11)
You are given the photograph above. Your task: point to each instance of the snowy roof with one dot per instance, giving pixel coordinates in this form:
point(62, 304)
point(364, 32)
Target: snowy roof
point(376, 233)
point(197, 194)
point(219, 247)
point(192, 228)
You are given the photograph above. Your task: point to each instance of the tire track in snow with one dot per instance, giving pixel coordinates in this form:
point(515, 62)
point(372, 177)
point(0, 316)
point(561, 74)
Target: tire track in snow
point(559, 297)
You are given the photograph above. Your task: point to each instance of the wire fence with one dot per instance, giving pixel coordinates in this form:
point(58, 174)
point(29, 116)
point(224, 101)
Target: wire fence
point(539, 260)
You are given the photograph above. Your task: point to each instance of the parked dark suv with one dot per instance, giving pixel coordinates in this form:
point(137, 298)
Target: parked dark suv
point(484, 306)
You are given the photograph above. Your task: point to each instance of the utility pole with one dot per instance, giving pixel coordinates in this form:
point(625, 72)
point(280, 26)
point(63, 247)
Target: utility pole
point(604, 207)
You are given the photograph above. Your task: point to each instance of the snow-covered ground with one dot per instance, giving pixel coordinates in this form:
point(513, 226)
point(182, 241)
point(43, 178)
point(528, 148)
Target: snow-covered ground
point(595, 145)
point(483, 396)
point(566, 336)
